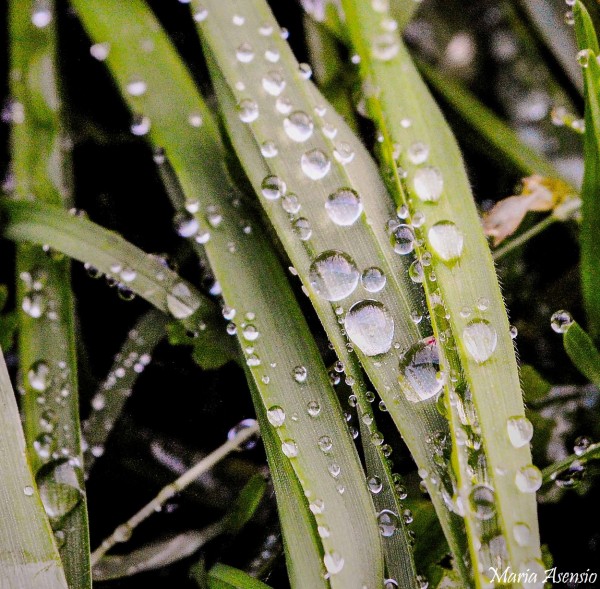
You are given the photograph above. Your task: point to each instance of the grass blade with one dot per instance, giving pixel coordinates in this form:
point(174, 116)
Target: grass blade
point(30, 557)
point(279, 350)
point(477, 351)
point(590, 208)
point(225, 577)
point(40, 167)
point(583, 353)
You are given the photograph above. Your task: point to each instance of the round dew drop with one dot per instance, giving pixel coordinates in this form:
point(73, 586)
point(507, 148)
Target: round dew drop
point(334, 563)
point(302, 228)
point(186, 225)
point(298, 126)
point(480, 339)
point(59, 488)
point(290, 204)
point(520, 431)
point(136, 87)
point(428, 184)
point(289, 448)
point(276, 416)
point(39, 376)
point(300, 373)
point(482, 503)
point(420, 371)
point(388, 523)
point(385, 47)
point(528, 479)
point(370, 327)
point(274, 83)
point(273, 187)
point(315, 164)
point(344, 206)
point(343, 153)
point(268, 149)
point(374, 484)
point(403, 239)
point(446, 241)
point(418, 153)
point(248, 110)
point(333, 275)
point(561, 321)
point(373, 279)
point(245, 53)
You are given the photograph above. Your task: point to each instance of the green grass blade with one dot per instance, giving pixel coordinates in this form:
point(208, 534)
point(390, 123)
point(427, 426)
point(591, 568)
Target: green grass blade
point(40, 165)
point(109, 400)
point(112, 255)
point(583, 353)
point(275, 337)
point(590, 208)
point(222, 576)
point(30, 557)
point(478, 351)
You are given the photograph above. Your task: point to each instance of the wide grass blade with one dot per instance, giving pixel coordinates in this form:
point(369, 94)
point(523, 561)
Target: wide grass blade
point(29, 554)
point(40, 166)
point(590, 208)
point(278, 348)
point(428, 178)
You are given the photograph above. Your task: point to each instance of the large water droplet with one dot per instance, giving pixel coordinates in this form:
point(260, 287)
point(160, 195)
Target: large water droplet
point(446, 240)
point(59, 488)
point(276, 416)
point(420, 371)
point(344, 206)
point(325, 443)
point(180, 302)
point(482, 503)
point(39, 376)
point(403, 239)
point(480, 339)
point(520, 431)
point(298, 126)
point(528, 479)
point(388, 523)
point(373, 279)
point(428, 184)
point(315, 164)
point(333, 275)
point(370, 327)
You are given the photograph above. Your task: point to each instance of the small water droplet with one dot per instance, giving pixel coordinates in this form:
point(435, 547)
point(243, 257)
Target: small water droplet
point(39, 376)
point(274, 82)
point(446, 240)
point(370, 327)
point(289, 448)
point(343, 153)
point(313, 408)
point(325, 443)
point(344, 206)
point(334, 470)
point(582, 443)
point(276, 416)
point(315, 164)
point(385, 46)
point(300, 373)
point(140, 125)
point(418, 153)
point(480, 340)
point(374, 484)
point(28, 491)
point(302, 228)
point(185, 224)
point(34, 304)
point(200, 13)
point(268, 149)
point(244, 53)
point(584, 56)
point(273, 187)
point(248, 110)
point(428, 184)
point(100, 51)
point(298, 126)
point(416, 272)
point(403, 239)
point(333, 275)
point(136, 87)
point(561, 321)
point(305, 71)
point(528, 479)
point(520, 431)
point(373, 279)
point(250, 332)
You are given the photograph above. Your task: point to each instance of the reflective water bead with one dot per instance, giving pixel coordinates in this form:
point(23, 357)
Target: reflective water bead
point(268, 149)
point(334, 562)
point(420, 371)
point(418, 152)
point(584, 56)
point(289, 448)
point(428, 184)
point(325, 443)
point(290, 204)
point(315, 164)
point(416, 272)
point(343, 153)
point(582, 443)
point(446, 240)
point(39, 376)
point(480, 340)
point(561, 321)
point(136, 87)
point(272, 54)
point(333, 275)
point(482, 502)
point(298, 126)
point(273, 187)
point(186, 225)
point(374, 484)
point(140, 125)
point(34, 305)
point(313, 408)
point(250, 332)
point(528, 479)
point(195, 120)
point(403, 239)
point(302, 228)
point(370, 327)
point(373, 279)
point(385, 46)
point(305, 71)
point(520, 431)
point(274, 82)
point(513, 332)
point(238, 20)
point(100, 51)
point(58, 486)
point(388, 523)
point(276, 416)
point(41, 16)
point(344, 206)
point(334, 470)
point(300, 373)
point(244, 53)
point(28, 491)
point(248, 110)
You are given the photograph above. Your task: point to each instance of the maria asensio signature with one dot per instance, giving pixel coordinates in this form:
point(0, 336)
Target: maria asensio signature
point(535, 579)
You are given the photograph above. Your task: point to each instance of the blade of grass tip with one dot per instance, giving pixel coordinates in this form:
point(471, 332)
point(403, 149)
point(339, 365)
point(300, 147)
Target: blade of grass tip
point(30, 557)
point(549, 20)
point(40, 164)
point(124, 532)
point(587, 43)
point(109, 400)
point(108, 253)
point(222, 576)
point(327, 239)
point(583, 353)
point(280, 353)
point(472, 330)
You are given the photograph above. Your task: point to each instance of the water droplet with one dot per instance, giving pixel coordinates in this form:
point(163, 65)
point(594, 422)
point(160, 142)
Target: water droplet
point(58, 486)
point(323, 531)
point(140, 125)
point(268, 149)
point(561, 321)
point(302, 228)
point(300, 373)
point(570, 477)
point(289, 448)
point(482, 503)
point(513, 331)
point(180, 302)
point(344, 206)
point(420, 371)
point(522, 534)
point(373, 279)
point(418, 153)
point(325, 443)
point(582, 443)
point(403, 239)
point(272, 54)
point(34, 304)
point(343, 153)
point(136, 87)
point(480, 340)
point(298, 126)
point(334, 470)
point(276, 416)
point(244, 53)
point(290, 204)
point(28, 491)
point(446, 240)
point(584, 56)
point(273, 187)
point(248, 110)
point(428, 184)
point(195, 120)
point(374, 484)
point(185, 224)
point(385, 47)
point(388, 523)
point(305, 71)
point(313, 408)
point(370, 327)
point(200, 14)
point(39, 376)
point(100, 51)
point(520, 431)
point(315, 164)
point(41, 16)
point(250, 332)
point(317, 506)
point(334, 563)
point(274, 82)
point(416, 272)
point(333, 275)
point(238, 20)
point(528, 479)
